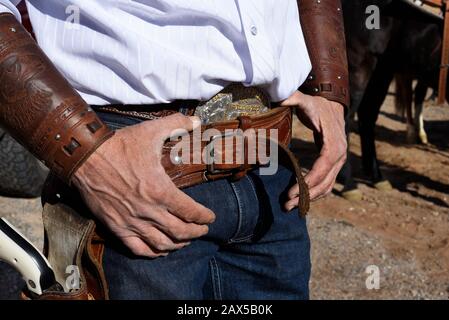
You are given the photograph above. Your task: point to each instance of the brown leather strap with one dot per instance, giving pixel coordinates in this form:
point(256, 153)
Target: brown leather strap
point(189, 174)
point(26, 22)
point(39, 108)
point(193, 173)
point(323, 28)
point(293, 163)
point(445, 56)
point(59, 199)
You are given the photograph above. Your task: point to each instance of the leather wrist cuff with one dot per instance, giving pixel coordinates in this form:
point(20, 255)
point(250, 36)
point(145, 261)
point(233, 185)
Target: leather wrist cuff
point(323, 29)
point(38, 106)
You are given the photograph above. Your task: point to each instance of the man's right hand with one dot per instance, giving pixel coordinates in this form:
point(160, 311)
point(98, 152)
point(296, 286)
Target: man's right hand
point(126, 187)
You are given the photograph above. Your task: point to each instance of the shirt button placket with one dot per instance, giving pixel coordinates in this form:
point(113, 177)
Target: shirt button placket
point(254, 30)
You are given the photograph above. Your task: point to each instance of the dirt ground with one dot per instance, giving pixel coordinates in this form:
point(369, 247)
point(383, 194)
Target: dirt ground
point(404, 232)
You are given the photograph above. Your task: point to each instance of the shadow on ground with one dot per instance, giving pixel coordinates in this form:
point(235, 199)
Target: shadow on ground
point(400, 178)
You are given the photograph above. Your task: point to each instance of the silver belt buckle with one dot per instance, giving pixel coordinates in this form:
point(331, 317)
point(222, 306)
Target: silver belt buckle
point(222, 107)
point(210, 150)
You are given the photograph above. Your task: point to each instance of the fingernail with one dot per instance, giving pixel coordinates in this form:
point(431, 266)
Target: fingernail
point(205, 230)
point(196, 121)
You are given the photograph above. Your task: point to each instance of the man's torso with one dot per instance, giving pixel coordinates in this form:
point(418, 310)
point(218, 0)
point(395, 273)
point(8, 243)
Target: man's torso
point(156, 51)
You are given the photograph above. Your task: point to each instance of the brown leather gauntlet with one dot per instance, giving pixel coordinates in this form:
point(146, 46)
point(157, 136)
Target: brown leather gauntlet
point(38, 106)
point(323, 28)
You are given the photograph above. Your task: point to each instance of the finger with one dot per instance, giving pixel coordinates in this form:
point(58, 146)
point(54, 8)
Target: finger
point(327, 192)
point(140, 248)
point(181, 205)
point(177, 229)
point(320, 170)
point(293, 192)
point(317, 182)
point(326, 186)
point(292, 203)
point(177, 124)
point(156, 239)
point(293, 100)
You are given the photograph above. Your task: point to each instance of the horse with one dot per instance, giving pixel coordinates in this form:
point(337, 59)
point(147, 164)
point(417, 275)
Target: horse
point(407, 46)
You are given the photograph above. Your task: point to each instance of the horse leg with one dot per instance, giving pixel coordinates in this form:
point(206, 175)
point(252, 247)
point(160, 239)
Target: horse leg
point(359, 80)
point(346, 176)
point(368, 113)
point(405, 96)
point(399, 98)
point(420, 96)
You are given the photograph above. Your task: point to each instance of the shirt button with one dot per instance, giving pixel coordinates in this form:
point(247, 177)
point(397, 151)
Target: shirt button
point(253, 30)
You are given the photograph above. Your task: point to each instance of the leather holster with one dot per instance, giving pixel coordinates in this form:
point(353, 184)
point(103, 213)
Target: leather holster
point(73, 245)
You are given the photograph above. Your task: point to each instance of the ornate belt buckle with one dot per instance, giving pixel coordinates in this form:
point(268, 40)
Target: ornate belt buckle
point(232, 102)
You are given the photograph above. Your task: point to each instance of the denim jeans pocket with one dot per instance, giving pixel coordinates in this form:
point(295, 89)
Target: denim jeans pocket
point(248, 207)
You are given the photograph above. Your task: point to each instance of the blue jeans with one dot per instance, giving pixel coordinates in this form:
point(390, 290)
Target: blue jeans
point(254, 249)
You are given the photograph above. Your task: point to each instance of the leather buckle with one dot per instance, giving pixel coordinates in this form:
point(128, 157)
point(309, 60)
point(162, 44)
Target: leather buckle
point(210, 152)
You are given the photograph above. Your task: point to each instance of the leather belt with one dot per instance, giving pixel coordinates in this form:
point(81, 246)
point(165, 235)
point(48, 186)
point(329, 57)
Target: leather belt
point(63, 205)
point(186, 175)
point(145, 112)
point(192, 173)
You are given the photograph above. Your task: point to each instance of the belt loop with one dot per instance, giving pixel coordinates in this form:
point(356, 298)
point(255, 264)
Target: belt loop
point(244, 122)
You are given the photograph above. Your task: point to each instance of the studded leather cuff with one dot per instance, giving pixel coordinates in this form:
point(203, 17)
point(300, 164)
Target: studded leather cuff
point(38, 106)
point(323, 29)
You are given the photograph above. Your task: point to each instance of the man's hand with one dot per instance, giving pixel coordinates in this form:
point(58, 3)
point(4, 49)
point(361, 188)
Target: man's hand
point(126, 187)
point(326, 119)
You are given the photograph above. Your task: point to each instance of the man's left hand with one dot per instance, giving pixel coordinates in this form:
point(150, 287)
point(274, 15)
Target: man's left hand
point(326, 119)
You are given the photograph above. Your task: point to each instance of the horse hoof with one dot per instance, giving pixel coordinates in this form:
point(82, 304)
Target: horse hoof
point(384, 185)
point(423, 139)
point(352, 195)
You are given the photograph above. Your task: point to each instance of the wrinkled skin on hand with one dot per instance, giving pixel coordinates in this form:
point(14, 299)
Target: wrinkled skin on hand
point(127, 189)
point(326, 119)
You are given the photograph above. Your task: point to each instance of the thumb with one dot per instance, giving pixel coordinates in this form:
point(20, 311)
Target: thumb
point(177, 124)
point(293, 101)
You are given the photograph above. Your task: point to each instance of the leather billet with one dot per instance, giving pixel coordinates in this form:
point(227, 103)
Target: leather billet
point(38, 106)
point(323, 28)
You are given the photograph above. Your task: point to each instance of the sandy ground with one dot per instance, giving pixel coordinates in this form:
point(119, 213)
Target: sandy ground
point(403, 232)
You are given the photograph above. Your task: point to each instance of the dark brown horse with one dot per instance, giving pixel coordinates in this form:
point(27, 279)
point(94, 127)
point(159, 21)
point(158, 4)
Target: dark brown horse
point(406, 44)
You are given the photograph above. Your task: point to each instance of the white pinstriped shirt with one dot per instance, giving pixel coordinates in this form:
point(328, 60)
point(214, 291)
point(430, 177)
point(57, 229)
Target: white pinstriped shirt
point(156, 51)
